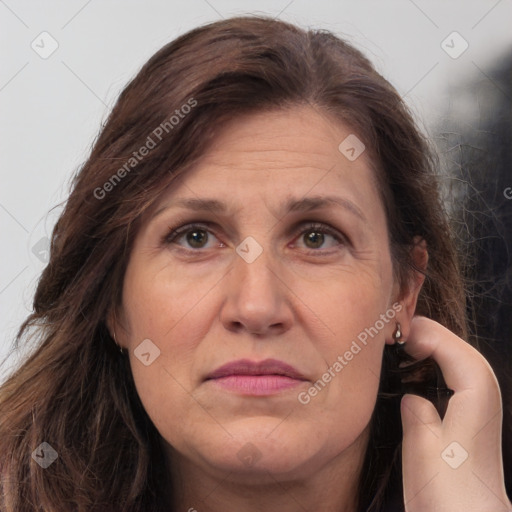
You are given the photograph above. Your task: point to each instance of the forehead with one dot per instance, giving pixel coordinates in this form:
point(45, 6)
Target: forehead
point(278, 155)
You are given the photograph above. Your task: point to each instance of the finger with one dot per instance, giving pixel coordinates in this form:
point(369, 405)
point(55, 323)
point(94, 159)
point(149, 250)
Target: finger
point(421, 426)
point(463, 367)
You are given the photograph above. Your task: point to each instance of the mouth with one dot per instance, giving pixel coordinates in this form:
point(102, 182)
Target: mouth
point(256, 378)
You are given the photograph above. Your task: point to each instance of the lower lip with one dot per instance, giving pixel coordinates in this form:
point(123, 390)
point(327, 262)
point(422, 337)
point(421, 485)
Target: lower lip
point(257, 384)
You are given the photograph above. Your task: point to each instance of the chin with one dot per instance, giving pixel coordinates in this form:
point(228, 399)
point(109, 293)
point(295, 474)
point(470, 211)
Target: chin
point(255, 453)
point(265, 470)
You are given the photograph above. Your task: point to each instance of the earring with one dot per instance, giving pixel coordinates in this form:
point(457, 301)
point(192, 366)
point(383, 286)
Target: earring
point(115, 341)
point(397, 335)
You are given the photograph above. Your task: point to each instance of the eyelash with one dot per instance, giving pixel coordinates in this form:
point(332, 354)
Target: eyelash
point(176, 233)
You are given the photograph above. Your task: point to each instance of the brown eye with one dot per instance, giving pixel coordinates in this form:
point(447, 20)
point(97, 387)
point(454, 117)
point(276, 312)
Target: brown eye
point(320, 238)
point(197, 238)
point(192, 237)
point(314, 239)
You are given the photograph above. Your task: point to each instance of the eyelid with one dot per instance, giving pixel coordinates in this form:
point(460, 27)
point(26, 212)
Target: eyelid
point(175, 232)
point(324, 228)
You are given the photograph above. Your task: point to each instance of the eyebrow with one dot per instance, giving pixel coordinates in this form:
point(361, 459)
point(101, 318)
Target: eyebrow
point(305, 204)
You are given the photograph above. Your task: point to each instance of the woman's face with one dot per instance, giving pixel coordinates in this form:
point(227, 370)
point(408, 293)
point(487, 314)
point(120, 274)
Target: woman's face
point(285, 258)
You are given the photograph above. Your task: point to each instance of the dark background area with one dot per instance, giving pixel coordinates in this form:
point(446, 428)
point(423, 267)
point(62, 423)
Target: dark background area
point(476, 147)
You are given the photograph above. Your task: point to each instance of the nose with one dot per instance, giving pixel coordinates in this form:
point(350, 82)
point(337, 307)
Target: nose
point(257, 300)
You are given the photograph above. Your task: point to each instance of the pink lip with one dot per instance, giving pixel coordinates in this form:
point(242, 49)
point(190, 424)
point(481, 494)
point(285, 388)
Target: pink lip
point(264, 378)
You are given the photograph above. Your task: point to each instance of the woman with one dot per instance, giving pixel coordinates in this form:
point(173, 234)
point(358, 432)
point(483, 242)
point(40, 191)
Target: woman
point(257, 229)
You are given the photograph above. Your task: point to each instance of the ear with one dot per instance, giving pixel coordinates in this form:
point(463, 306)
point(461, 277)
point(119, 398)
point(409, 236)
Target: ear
point(419, 255)
point(113, 325)
point(408, 297)
point(110, 322)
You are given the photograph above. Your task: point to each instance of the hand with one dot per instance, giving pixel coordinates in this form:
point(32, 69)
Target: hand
point(454, 464)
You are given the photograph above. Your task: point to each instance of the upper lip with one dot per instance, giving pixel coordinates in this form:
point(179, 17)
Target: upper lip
point(248, 367)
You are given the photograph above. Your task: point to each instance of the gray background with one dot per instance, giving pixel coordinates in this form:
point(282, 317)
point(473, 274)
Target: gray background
point(52, 107)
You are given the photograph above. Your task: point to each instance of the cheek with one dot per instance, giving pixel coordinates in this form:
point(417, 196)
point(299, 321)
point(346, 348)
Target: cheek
point(354, 315)
point(159, 301)
point(344, 396)
point(174, 312)
point(346, 304)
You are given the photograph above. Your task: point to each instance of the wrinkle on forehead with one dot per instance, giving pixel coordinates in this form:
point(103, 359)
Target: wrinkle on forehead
point(272, 156)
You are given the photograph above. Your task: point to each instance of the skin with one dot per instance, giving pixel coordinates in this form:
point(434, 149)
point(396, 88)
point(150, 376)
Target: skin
point(298, 302)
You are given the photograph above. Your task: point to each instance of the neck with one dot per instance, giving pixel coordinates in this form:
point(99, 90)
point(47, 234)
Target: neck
point(333, 487)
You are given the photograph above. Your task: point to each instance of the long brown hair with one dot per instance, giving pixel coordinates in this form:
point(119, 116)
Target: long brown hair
point(75, 391)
